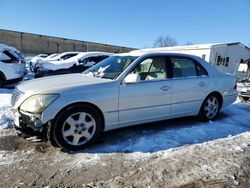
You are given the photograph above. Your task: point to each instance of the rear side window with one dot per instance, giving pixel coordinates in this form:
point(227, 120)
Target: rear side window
point(7, 57)
point(186, 67)
point(4, 56)
point(84, 61)
point(201, 71)
point(98, 58)
point(95, 59)
point(68, 56)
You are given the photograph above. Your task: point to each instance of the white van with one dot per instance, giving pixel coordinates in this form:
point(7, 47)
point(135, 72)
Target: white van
point(12, 65)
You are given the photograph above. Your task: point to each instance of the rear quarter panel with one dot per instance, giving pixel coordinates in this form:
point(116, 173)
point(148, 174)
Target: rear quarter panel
point(225, 84)
point(220, 82)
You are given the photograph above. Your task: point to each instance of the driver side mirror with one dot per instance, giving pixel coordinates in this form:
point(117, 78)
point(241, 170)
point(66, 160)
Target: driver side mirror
point(132, 79)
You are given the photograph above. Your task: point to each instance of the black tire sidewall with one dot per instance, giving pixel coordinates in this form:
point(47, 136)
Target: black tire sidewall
point(245, 98)
point(56, 128)
point(202, 114)
point(1, 81)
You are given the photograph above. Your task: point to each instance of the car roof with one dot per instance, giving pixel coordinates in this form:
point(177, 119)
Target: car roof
point(11, 49)
point(93, 53)
point(85, 55)
point(6, 47)
point(145, 53)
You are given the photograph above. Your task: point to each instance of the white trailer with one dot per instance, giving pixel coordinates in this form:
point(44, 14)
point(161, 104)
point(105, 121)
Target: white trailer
point(225, 57)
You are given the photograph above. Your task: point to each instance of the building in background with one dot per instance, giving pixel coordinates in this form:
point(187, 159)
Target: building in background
point(226, 57)
point(33, 44)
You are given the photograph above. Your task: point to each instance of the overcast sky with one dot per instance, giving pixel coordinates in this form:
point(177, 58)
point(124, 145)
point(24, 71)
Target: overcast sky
point(133, 23)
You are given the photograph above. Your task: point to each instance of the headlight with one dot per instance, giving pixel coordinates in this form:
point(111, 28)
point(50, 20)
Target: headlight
point(38, 103)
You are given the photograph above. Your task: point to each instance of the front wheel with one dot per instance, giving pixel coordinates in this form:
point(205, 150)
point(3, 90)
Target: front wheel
point(210, 108)
point(76, 127)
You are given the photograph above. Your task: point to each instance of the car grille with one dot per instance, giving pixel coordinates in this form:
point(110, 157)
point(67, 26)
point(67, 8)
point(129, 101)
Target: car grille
point(15, 96)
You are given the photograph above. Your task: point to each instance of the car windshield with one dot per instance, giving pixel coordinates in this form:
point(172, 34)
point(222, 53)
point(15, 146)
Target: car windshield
point(111, 67)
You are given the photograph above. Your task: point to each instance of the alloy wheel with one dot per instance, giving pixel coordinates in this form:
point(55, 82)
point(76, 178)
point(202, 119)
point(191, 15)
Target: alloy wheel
point(78, 128)
point(211, 107)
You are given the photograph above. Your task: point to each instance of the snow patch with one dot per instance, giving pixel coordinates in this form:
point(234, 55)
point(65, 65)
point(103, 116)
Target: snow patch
point(233, 120)
point(6, 115)
point(6, 159)
point(82, 159)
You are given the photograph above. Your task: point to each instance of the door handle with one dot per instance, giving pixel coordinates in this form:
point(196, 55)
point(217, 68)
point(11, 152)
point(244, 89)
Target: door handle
point(165, 88)
point(202, 84)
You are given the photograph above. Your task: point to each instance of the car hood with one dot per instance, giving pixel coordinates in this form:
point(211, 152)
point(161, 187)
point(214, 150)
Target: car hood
point(54, 83)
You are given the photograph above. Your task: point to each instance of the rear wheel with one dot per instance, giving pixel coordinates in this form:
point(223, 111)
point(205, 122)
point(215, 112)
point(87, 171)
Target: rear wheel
point(76, 128)
point(210, 108)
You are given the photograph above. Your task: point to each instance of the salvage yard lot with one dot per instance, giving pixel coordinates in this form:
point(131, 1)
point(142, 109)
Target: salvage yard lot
point(180, 152)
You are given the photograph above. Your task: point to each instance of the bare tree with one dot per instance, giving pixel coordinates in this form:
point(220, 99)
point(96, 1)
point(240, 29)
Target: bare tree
point(164, 41)
point(188, 43)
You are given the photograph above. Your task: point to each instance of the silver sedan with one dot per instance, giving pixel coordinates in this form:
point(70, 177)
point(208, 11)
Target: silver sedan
point(71, 111)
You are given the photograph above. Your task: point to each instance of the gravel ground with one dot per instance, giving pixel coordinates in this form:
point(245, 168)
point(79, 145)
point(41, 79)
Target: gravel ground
point(174, 153)
point(219, 163)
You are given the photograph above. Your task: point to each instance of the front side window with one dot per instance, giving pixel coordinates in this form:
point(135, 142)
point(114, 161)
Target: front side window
point(152, 69)
point(185, 67)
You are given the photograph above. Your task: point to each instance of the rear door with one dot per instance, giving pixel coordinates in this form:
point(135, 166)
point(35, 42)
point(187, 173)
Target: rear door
point(190, 85)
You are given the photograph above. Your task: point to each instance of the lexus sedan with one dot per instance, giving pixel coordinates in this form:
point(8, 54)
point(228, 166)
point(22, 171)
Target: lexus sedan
point(122, 90)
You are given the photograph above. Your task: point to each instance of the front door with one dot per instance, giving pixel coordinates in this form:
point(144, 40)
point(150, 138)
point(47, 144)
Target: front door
point(150, 98)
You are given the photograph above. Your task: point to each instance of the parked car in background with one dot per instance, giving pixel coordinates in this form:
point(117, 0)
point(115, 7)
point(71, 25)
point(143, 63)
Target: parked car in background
point(243, 88)
point(76, 64)
point(33, 60)
point(54, 57)
point(40, 56)
point(12, 65)
point(243, 76)
point(125, 89)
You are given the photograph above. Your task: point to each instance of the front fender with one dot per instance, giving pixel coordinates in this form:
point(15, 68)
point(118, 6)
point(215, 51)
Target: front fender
point(106, 101)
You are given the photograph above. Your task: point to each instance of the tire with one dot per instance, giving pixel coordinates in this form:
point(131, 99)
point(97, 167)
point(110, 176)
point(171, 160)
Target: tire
point(76, 128)
point(210, 108)
point(50, 137)
point(245, 98)
point(1, 81)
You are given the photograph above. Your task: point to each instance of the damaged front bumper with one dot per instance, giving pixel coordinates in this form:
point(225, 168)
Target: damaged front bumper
point(28, 124)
